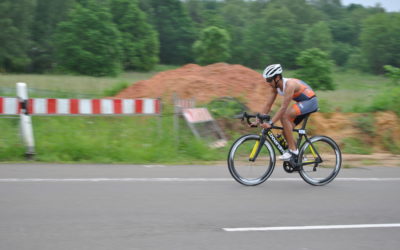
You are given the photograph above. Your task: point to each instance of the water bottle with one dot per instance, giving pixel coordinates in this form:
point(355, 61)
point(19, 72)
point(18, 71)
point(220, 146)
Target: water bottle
point(282, 141)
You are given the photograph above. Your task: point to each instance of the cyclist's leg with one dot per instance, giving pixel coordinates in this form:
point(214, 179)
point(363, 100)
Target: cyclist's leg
point(289, 121)
point(288, 125)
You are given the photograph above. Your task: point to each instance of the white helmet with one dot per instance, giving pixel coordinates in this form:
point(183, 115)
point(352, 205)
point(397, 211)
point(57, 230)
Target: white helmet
point(272, 70)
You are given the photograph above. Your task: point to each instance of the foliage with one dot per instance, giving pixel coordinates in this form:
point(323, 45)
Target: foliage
point(15, 20)
point(316, 69)
point(139, 41)
point(365, 123)
point(340, 53)
point(271, 38)
point(88, 42)
point(391, 144)
point(357, 61)
point(262, 32)
point(388, 100)
point(226, 107)
point(175, 28)
point(380, 39)
point(212, 46)
point(235, 16)
point(319, 36)
point(393, 73)
point(352, 145)
point(48, 13)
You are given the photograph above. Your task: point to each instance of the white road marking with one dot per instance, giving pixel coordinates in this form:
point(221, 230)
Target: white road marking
point(172, 179)
point(321, 227)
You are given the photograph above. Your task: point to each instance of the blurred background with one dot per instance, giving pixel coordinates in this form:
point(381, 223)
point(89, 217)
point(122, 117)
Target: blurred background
point(348, 52)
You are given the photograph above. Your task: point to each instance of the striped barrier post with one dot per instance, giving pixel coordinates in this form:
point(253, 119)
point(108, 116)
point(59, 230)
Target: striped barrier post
point(25, 120)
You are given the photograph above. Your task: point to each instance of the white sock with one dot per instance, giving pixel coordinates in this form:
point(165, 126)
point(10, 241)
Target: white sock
point(296, 152)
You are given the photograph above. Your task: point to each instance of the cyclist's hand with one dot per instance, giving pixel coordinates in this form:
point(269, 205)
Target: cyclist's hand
point(266, 125)
point(255, 123)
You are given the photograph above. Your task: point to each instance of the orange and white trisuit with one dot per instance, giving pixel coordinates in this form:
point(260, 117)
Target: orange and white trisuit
point(305, 98)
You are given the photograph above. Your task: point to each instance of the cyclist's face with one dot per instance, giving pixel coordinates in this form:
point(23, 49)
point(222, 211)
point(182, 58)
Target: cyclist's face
point(271, 80)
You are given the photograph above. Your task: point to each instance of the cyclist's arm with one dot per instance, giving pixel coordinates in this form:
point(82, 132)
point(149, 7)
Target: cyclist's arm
point(272, 93)
point(287, 98)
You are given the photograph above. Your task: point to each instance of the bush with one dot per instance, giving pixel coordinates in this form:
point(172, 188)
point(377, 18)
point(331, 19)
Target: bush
point(365, 123)
point(357, 61)
point(213, 46)
point(355, 146)
point(388, 100)
point(226, 107)
point(316, 69)
point(393, 73)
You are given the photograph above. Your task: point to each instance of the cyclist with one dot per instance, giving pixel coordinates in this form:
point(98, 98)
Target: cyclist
point(290, 116)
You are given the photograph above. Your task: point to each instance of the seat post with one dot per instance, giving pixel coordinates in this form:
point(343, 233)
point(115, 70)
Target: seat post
point(305, 122)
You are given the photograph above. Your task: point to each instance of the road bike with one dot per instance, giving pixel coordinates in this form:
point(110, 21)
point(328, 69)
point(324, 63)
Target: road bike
point(251, 159)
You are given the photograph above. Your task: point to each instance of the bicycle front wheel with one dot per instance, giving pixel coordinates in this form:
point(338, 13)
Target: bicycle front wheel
point(245, 171)
point(321, 160)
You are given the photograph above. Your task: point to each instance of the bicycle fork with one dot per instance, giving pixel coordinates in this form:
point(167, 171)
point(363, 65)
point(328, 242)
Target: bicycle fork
point(257, 147)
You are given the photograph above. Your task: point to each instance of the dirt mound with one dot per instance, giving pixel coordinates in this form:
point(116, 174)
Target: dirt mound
point(204, 83)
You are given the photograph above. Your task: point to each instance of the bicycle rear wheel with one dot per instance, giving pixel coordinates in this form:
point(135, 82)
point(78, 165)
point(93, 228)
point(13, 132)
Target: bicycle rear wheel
point(321, 161)
point(244, 171)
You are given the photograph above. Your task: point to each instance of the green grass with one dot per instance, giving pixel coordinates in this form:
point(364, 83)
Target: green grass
point(355, 91)
point(106, 140)
point(70, 86)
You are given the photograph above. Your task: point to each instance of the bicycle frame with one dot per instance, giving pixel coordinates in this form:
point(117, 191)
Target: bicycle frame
point(301, 133)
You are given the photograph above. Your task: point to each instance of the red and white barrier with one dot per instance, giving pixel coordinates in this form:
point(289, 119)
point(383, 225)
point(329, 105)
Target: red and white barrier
point(197, 115)
point(9, 106)
point(52, 106)
point(25, 108)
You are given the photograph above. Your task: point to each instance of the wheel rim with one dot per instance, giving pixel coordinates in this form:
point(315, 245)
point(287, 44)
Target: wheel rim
point(324, 172)
point(245, 171)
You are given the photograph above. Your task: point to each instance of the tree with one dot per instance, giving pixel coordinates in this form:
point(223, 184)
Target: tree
point(315, 69)
point(139, 40)
point(341, 52)
point(332, 8)
point(318, 36)
point(48, 13)
point(176, 30)
point(271, 38)
point(380, 39)
point(88, 42)
point(357, 61)
point(236, 15)
point(15, 20)
point(213, 46)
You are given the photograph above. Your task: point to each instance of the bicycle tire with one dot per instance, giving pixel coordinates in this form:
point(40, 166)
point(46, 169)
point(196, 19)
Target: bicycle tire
point(245, 171)
point(319, 174)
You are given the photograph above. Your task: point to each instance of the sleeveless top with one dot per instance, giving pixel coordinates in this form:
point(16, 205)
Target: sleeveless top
point(304, 93)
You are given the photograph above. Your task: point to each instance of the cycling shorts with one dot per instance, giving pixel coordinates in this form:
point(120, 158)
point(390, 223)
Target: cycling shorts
point(304, 107)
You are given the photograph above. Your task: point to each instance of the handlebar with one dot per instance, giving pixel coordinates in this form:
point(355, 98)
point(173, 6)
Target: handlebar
point(247, 117)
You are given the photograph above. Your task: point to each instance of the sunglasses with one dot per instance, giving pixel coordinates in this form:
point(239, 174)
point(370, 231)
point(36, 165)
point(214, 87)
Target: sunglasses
point(269, 79)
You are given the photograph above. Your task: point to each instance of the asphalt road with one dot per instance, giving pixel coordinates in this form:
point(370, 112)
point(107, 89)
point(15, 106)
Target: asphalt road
point(52, 206)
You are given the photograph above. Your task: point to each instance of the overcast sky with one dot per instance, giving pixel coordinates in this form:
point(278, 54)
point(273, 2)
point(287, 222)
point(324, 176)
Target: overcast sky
point(388, 5)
